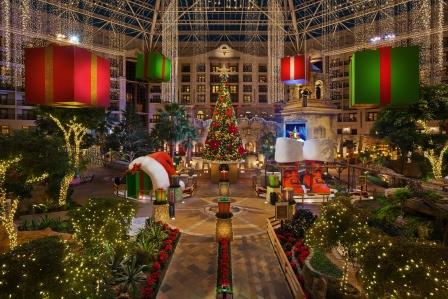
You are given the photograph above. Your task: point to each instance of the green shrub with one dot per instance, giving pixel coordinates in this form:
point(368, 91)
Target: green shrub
point(103, 222)
point(46, 222)
point(320, 262)
point(303, 219)
point(33, 270)
point(377, 181)
point(396, 267)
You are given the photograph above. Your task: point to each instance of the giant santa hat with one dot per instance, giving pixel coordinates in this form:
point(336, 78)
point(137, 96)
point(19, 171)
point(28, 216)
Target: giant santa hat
point(159, 167)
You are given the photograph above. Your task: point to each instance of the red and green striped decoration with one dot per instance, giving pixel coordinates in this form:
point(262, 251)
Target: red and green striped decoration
point(153, 66)
point(137, 184)
point(386, 76)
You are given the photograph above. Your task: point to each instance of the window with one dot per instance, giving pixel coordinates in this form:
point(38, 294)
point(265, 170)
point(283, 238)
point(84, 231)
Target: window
point(201, 98)
point(215, 88)
point(233, 88)
point(201, 88)
point(247, 67)
point(234, 98)
point(247, 88)
point(185, 68)
point(352, 117)
point(185, 88)
point(214, 79)
point(200, 78)
point(262, 98)
point(233, 68)
point(130, 70)
point(339, 117)
point(247, 98)
point(214, 67)
point(339, 131)
point(185, 78)
point(247, 78)
point(262, 79)
point(200, 68)
point(200, 115)
point(4, 99)
point(354, 132)
point(371, 116)
point(155, 118)
point(233, 79)
point(4, 130)
point(186, 99)
point(263, 88)
point(262, 68)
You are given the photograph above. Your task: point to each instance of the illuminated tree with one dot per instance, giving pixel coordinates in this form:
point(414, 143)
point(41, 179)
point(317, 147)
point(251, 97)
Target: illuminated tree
point(223, 140)
point(74, 134)
point(8, 208)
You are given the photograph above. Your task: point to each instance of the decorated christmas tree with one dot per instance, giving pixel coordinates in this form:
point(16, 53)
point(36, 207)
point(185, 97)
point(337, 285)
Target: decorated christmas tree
point(223, 142)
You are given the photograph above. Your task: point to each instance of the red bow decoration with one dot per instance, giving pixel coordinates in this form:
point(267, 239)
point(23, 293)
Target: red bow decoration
point(136, 167)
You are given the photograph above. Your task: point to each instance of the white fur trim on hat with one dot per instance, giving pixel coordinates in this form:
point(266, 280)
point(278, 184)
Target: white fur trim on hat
point(321, 149)
point(155, 170)
point(288, 150)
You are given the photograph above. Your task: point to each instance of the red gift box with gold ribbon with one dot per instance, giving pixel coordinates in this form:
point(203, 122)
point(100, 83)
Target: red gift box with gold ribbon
point(66, 76)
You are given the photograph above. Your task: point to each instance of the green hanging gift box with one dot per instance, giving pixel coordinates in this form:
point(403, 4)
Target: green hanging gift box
point(137, 184)
point(153, 66)
point(385, 76)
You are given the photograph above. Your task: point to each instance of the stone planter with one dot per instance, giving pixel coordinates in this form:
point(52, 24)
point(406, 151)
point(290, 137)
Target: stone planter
point(224, 228)
point(161, 213)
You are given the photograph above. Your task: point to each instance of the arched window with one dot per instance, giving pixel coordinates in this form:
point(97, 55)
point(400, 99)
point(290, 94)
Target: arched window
point(200, 115)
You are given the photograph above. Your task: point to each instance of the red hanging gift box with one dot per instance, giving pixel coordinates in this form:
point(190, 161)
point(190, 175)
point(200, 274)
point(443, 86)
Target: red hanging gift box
point(66, 76)
point(293, 69)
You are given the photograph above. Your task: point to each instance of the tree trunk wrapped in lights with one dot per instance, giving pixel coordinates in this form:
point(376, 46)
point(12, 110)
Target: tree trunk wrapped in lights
point(73, 136)
point(8, 208)
point(436, 160)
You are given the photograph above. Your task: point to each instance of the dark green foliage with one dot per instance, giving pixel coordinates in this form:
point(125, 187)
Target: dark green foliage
point(173, 126)
point(302, 221)
point(404, 266)
point(377, 181)
point(267, 145)
point(131, 136)
point(320, 262)
point(130, 276)
point(46, 222)
point(32, 268)
point(40, 154)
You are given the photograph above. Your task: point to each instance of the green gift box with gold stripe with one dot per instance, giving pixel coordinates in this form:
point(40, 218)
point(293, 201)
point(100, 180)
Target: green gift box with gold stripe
point(386, 76)
point(153, 66)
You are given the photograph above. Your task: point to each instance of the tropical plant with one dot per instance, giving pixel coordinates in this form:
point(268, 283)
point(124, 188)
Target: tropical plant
point(130, 276)
point(173, 126)
point(130, 136)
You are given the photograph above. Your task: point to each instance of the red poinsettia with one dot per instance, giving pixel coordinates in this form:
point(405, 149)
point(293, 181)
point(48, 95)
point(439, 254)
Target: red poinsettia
point(241, 150)
point(147, 292)
point(229, 112)
point(214, 144)
point(162, 258)
point(155, 266)
point(233, 129)
point(215, 124)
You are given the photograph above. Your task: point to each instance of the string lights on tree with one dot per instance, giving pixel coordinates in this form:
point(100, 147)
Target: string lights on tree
point(8, 208)
point(435, 159)
point(74, 134)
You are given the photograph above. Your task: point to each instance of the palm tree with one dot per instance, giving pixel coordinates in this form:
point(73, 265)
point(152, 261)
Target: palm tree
point(173, 126)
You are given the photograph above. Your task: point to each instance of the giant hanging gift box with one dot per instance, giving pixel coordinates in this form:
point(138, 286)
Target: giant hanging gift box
point(384, 76)
point(138, 183)
point(293, 70)
point(66, 76)
point(153, 66)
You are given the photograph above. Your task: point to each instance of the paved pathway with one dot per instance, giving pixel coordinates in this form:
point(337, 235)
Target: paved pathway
point(192, 271)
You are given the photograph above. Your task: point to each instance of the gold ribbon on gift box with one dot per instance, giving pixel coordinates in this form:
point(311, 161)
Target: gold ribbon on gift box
point(49, 81)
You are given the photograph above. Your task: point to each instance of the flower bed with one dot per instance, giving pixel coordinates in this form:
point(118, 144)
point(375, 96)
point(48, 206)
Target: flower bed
point(296, 253)
point(224, 277)
point(157, 270)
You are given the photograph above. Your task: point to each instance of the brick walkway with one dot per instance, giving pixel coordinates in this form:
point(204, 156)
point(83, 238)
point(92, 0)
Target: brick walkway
point(192, 271)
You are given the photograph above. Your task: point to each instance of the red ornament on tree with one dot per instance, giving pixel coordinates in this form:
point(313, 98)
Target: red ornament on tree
point(233, 129)
point(229, 112)
point(241, 150)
